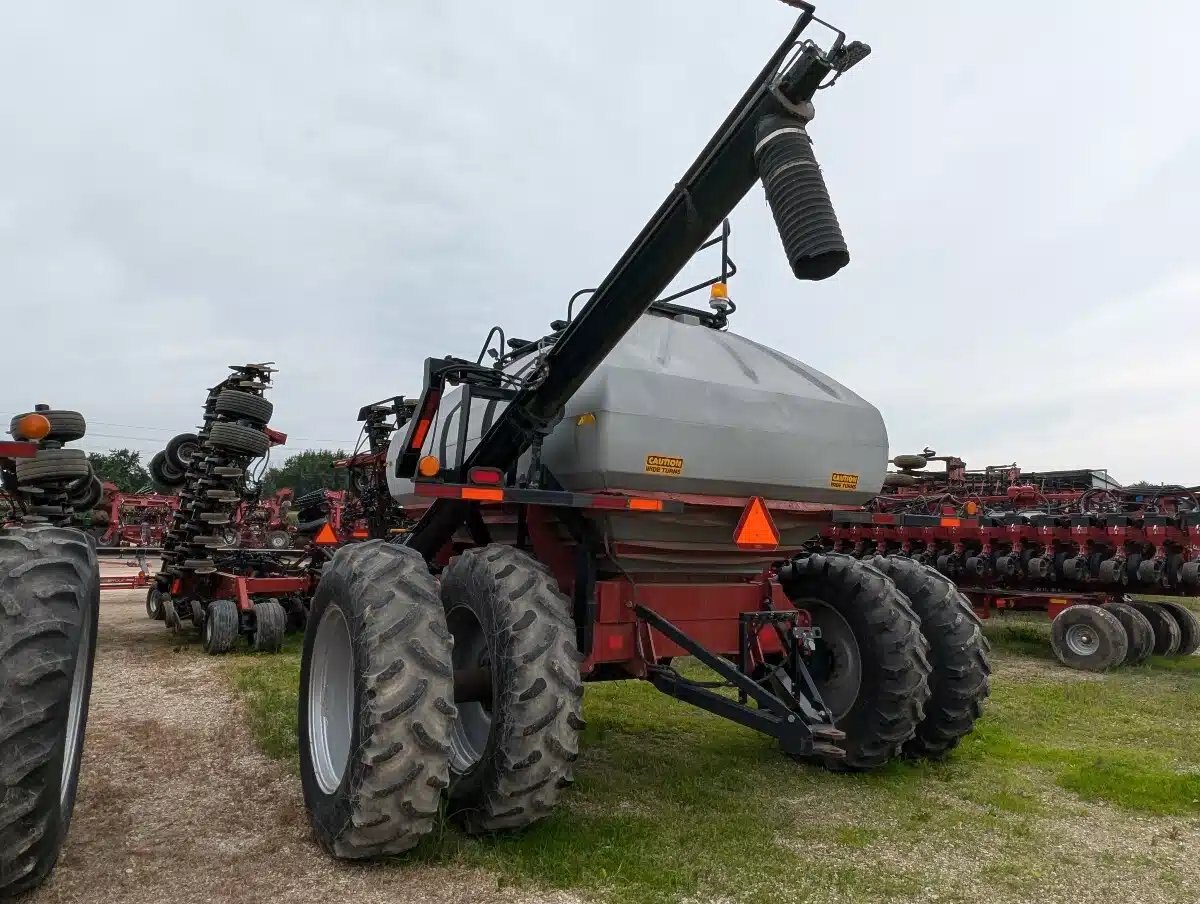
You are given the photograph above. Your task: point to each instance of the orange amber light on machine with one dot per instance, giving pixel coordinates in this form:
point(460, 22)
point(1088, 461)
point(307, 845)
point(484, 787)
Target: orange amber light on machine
point(428, 466)
point(32, 427)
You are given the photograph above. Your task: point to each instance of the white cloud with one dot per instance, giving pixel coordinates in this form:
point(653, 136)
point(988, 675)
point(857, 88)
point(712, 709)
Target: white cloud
point(349, 189)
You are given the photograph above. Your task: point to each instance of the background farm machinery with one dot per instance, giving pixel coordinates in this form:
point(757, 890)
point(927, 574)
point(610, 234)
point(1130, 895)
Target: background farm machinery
point(262, 522)
point(365, 509)
point(225, 592)
point(132, 519)
point(1045, 541)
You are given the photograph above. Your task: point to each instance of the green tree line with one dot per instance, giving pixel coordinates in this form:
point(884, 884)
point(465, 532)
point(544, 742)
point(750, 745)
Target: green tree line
point(303, 472)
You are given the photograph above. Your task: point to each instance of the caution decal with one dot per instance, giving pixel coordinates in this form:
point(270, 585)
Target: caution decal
point(843, 481)
point(664, 464)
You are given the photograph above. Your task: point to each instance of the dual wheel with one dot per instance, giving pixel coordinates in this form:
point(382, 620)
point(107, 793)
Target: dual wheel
point(467, 695)
point(415, 696)
point(901, 661)
point(1099, 638)
point(219, 623)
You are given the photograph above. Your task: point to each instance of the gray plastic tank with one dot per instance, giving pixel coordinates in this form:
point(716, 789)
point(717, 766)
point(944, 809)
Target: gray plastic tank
point(682, 408)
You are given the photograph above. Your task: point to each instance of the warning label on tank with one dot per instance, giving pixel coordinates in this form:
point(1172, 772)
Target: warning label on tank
point(664, 464)
point(843, 481)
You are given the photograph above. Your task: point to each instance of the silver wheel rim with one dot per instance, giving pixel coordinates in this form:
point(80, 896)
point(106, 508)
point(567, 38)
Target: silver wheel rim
point(1083, 640)
point(837, 665)
point(331, 700)
point(473, 724)
point(74, 738)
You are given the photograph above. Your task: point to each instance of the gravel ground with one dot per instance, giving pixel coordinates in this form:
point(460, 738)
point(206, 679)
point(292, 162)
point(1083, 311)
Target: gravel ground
point(176, 804)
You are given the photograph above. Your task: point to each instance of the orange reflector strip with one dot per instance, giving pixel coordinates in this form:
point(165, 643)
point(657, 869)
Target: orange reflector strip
point(483, 494)
point(360, 535)
point(645, 505)
point(326, 536)
point(951, 522)
point(418, 439)
point(756, 529)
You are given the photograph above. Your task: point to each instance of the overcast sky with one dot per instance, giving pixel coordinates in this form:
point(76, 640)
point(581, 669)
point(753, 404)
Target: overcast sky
point(348, 188)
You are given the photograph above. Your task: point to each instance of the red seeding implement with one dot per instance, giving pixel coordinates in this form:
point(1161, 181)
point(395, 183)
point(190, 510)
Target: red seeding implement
point(365, 509)
point(259, 523)
point(225, 593)
point(1073, 544)
point(595, 503)
point(133, 519)
point(368, 508)
point(49, 601)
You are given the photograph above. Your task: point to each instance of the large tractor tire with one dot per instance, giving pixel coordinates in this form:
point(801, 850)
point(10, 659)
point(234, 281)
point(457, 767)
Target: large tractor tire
point(512, 752)
point(958, 655)
point(49, 602)
point(376, 702)
point(871, 665)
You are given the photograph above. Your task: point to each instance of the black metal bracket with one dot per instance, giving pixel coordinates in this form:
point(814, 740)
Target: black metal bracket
point(798, 726)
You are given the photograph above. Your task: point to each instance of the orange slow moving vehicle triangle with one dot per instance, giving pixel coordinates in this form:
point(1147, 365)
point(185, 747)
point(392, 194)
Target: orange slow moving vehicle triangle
point(326, 536)
point(756, 529)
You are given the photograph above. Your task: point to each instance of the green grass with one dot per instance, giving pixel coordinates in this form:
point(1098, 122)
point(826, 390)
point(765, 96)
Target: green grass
point(268, 684)
point(671, 803)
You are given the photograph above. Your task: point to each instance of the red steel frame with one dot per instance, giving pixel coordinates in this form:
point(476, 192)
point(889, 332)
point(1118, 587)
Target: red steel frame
point(988, 602)
point(241, 588)
point(143, 533)
point(706, 611)
point(253, 521)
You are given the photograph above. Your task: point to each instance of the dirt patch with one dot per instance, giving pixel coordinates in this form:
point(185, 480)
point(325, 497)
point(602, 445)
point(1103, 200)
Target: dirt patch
point(1014, 667)
point(176, 803)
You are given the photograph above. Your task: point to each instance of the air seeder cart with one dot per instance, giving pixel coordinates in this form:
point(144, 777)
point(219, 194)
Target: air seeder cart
point(49, 601)
point(636, 486)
